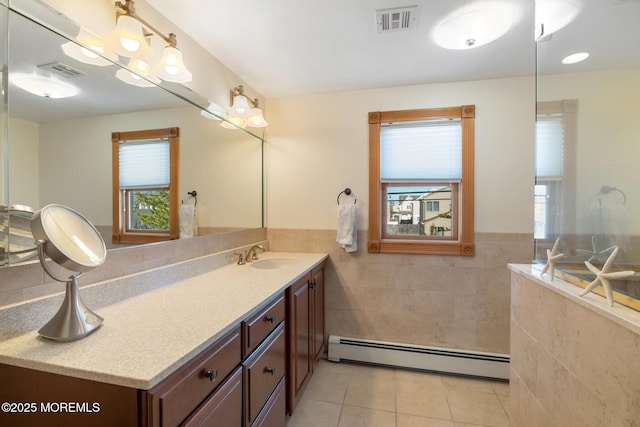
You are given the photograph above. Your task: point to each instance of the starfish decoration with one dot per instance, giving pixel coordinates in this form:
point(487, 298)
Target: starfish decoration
point(594, 252)
point(603, 276)
point(552, 257)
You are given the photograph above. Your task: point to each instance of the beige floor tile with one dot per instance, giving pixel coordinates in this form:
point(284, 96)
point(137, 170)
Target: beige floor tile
point(500, 388)
point(403, 420)
point(415, 399)
point(464, 383)
point(504, 401)
point(372, 372)
point(335, 367)
point(312, 413)
point(372, 393)
point(428, 380)
point(327, 387)
point(352, 416)
point(475, 407)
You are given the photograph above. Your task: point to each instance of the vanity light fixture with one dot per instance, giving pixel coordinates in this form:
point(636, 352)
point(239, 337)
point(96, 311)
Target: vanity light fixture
point(91, 50)
point(43, 86)
point(475, 25)
point(131, 38)
point(213, 112)
point(244, 110)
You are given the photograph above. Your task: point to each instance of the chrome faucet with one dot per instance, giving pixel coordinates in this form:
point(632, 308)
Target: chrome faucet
point(251, 253)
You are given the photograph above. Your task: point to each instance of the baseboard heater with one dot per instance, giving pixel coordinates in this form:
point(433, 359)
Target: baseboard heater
point(452, 361)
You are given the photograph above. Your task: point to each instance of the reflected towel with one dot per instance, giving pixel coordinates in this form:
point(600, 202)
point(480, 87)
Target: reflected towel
point(188, 224)
point(347, 228)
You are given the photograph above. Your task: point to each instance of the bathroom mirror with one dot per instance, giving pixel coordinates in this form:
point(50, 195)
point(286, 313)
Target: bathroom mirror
point(59, 150)
point(72, 242)
point(587, 144)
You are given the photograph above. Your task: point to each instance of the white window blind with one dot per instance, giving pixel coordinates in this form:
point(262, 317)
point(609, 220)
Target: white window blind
point(549, 146)
point(421, 150)
point(144, 163)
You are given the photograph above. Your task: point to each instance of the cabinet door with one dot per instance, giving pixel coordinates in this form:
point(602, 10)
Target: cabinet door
point(299, 322)
point(223, 407)
point(317, 287)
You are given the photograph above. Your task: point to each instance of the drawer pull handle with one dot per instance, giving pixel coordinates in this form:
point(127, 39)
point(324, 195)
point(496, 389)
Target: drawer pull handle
point(271, 371)
point(271, 319)
point(212, 375)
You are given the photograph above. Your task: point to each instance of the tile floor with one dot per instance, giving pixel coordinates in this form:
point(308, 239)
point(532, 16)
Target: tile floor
point(350, 395)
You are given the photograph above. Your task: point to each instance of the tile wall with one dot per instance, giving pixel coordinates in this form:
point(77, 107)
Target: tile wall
point(574, 361)
point(444, 301)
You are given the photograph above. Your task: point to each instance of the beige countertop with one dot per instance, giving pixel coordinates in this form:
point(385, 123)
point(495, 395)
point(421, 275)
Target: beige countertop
point(147, 337)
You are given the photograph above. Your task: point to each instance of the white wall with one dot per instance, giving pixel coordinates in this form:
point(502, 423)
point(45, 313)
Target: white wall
point(318, 145)
point(23, 168)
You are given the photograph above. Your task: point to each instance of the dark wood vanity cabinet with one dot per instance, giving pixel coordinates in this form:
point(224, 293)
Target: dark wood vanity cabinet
point(305, 300)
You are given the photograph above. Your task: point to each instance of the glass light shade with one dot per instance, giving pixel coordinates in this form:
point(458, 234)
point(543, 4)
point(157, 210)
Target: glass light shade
point(213, 112)
point(474, 26)
point(43, 86)
point(233, 123)
point(575, 58)
point(554, 15)
point(240, 107)
point(257, 119)
point(91, 50)
point(138, 74)
point(127, 39)
point(171, 66)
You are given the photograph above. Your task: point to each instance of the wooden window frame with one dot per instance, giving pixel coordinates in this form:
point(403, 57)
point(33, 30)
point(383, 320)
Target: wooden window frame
point(120, 232)
point(463, 244)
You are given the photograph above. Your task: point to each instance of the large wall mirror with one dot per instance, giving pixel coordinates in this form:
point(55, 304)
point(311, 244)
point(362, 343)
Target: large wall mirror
point(587, 142)
point(58, 150)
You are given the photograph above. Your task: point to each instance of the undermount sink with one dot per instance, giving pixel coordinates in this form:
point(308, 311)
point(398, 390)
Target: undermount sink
point(273, 263)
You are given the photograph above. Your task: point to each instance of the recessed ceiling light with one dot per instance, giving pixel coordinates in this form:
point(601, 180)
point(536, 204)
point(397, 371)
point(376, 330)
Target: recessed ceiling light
point(45, 87)
point(475, 25)
point(575, 58)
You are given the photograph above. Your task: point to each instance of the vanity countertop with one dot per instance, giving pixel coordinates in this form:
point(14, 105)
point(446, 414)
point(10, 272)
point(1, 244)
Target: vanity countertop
point(147, 337)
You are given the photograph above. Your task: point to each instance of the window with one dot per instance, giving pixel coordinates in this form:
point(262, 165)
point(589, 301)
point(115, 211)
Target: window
point(145, 182)
point(554, 195)
point(421, 181)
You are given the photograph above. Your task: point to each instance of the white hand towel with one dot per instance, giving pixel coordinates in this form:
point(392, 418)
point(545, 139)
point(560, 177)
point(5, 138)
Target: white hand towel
point(347, 228)
point(187, 221)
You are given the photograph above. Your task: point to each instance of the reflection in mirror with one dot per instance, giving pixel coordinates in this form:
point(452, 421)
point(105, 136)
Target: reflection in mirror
point(420, 210)
point(59, 149)
point(587, 147)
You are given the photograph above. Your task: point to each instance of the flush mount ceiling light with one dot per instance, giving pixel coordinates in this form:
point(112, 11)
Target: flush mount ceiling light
point(553, 15)
point(132, 36)
point(244, 110)
point(475, 25)
point(46, 87)
point(575, 58)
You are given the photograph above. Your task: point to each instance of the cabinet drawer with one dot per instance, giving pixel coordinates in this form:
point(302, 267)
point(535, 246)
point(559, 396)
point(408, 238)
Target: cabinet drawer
point(274, 412)
point(257, 327)
point(177, 396)
point(262, 373)
point(223, 407)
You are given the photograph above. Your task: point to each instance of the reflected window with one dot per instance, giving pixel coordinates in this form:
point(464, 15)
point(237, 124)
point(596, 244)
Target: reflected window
point(144, 185)
point(421, 181)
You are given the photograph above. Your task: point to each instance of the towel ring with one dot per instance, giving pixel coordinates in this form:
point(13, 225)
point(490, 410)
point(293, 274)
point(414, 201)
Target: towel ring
point(346, 191)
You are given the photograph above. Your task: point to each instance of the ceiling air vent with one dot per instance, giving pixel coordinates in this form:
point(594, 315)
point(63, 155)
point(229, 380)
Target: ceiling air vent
point(61, 69)
point(396, 19)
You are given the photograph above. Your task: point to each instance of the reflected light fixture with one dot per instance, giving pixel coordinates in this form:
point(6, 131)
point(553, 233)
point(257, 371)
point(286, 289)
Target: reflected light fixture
point(213, 112)
point(44, 86)
point(245, 110)
point(475, 25)
point(131, 38)
point(553, 15)
point(91, 50)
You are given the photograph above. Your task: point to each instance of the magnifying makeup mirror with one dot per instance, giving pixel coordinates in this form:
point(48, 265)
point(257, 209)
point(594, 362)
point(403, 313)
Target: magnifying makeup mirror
point(72, 242)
